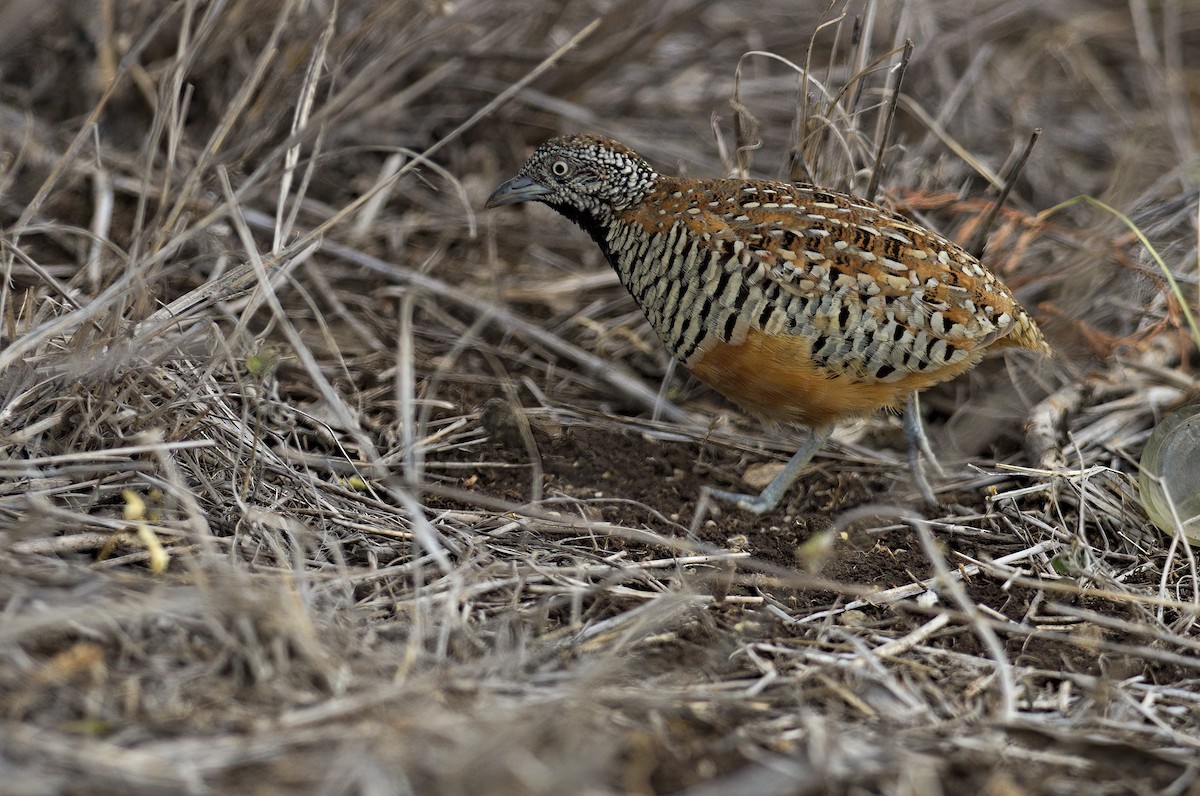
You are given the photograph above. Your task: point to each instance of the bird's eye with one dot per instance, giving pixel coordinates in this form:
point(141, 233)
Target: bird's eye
point(559, 168)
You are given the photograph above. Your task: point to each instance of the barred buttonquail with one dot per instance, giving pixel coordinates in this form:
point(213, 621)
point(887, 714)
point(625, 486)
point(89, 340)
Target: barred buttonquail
point(801, 304)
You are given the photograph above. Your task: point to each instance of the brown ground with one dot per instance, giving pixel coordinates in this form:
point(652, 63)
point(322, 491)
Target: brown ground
point(412, 522)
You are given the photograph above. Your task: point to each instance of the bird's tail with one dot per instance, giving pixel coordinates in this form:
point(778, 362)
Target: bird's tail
point(1026, 334)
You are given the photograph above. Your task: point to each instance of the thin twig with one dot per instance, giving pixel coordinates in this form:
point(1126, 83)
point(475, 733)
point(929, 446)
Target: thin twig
point(877, 170)
point(979, 239)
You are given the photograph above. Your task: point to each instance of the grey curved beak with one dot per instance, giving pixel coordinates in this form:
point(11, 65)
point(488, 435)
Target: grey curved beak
point(518, 189)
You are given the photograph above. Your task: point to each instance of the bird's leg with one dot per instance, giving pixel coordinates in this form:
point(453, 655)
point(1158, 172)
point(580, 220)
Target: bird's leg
point(918, 447)
point(770, 496)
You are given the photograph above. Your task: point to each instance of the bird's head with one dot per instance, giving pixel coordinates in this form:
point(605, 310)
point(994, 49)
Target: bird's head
point(577, 174)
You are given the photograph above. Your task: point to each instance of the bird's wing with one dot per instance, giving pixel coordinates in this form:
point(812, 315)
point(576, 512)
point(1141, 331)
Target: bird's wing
point(875, 293)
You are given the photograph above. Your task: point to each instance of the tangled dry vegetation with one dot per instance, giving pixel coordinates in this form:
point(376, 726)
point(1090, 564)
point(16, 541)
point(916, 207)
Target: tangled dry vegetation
point(316, 479)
